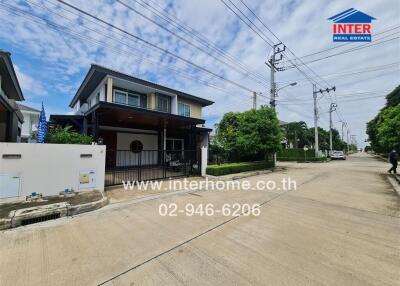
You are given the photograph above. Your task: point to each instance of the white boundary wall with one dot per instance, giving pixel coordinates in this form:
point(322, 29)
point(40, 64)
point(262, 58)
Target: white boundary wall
point(50, 168)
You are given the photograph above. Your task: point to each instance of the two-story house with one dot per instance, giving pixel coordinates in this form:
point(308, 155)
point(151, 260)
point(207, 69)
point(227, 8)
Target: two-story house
point(11, 118)
point(140, 122)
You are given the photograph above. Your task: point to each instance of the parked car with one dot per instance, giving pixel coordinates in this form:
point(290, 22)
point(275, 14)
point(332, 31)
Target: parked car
point(338, 155)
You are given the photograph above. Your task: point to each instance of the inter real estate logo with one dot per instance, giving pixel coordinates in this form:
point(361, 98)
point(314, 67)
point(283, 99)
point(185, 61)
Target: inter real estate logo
point(352, 26)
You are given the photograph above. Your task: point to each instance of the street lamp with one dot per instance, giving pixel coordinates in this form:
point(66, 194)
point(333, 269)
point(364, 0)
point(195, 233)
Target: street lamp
point(290, 84)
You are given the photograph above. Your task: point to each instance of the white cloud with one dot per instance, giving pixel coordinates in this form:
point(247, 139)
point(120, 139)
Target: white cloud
point(302, 25)
point(30, 86)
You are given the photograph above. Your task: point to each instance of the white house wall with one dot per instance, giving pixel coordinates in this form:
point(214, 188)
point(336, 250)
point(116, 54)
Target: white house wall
point(49, 168)
point(127, 158)
point(100, 88)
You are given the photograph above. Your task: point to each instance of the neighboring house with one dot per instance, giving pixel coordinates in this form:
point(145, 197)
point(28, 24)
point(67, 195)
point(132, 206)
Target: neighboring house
point(284, 142)
point(31, 122)
point(11, 118)
point(140, 122)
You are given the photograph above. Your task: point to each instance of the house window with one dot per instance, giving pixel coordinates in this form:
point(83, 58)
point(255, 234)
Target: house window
point(119, 97)
point(174, 144)
point(183, 109)
point(98, 97)
point(163, 103)
point(133, 99)
point(136, 146)
point(127, 98)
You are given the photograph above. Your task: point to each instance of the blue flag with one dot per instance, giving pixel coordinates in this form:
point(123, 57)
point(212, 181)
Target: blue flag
point(42, 128)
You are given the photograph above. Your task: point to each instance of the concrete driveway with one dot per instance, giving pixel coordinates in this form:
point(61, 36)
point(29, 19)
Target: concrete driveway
point(340, 227)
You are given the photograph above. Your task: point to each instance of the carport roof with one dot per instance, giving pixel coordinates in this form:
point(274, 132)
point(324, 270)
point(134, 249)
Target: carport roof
point(111, 114)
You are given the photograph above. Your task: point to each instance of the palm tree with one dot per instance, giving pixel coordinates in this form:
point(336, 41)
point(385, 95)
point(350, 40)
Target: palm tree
point(296, 133)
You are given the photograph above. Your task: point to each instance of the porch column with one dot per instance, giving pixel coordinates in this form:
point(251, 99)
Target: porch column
point(204, 154)
point(94, 125)
point(204, 160)
point(164, 142)
point(85, 126)
point(109, 89)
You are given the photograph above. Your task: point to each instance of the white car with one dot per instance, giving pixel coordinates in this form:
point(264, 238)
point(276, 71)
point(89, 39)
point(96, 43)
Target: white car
point(338, 155)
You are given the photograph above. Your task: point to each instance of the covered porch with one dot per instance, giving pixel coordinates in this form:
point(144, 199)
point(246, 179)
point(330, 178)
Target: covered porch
point(143, 144)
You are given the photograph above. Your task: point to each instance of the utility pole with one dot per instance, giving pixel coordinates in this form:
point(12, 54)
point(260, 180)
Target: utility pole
point(316, 143)
point(343, 125)
point(273, 62)
point(277, 50)
point(254, 100)
point(315, 92)
point(354, 141)
point(331, 109)
point(348, 142)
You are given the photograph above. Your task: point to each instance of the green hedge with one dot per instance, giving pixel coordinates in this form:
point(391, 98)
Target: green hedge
point(295, 153)
point(232, 168)
point(301, 159)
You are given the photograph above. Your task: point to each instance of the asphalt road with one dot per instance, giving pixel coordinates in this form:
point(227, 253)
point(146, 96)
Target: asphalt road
point(340, 227)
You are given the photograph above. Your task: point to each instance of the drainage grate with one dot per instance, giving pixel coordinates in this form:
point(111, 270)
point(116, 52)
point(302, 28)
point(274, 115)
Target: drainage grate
point(40, 219)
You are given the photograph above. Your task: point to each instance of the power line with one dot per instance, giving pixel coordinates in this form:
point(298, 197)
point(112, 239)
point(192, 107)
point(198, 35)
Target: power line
point(295, 65)
point(266, 39)
point(87, 39)
point(186, 40)
point(258, 33)
point(345, 44)
point(355, 72)
point(378, 42)
point(152, 45)
point(349, 100)
point(194, 34)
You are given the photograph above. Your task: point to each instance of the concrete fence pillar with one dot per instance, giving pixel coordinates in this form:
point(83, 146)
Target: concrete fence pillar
point(204, 160)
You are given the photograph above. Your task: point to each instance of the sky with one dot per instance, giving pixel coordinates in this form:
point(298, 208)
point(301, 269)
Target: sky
point(52, 47)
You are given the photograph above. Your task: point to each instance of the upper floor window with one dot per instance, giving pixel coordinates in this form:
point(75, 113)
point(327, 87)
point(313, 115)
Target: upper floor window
point(183, 109)
point(120, 97)
point(123, 97)
point(133, 99)
point(163, 103)
point(98, 97)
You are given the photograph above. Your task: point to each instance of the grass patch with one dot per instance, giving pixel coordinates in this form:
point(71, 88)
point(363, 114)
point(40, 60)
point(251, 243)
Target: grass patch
point(233, 168)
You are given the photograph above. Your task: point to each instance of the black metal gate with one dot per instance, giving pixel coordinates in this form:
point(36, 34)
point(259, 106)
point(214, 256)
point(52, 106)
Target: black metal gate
point(146, 165)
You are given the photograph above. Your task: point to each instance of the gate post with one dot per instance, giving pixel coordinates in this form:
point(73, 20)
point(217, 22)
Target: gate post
point(204, 160)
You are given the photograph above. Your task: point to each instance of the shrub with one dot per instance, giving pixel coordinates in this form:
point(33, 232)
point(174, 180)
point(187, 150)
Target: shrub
point(295, 153)
point(67, 136)
point(301, 159)
point(232, 168)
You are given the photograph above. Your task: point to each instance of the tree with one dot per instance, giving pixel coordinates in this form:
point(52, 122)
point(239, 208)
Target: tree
point(250, 134)
point(372, 131)
point(323, 138)
point(388, 130)
point(337, 142)
point(66, 135)
point(296, 133)
point(393, 98)
point(383, 129)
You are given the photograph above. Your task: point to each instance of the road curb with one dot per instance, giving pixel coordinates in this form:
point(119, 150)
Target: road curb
point(83, 208)
point(16, 217)
point(394, 181)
